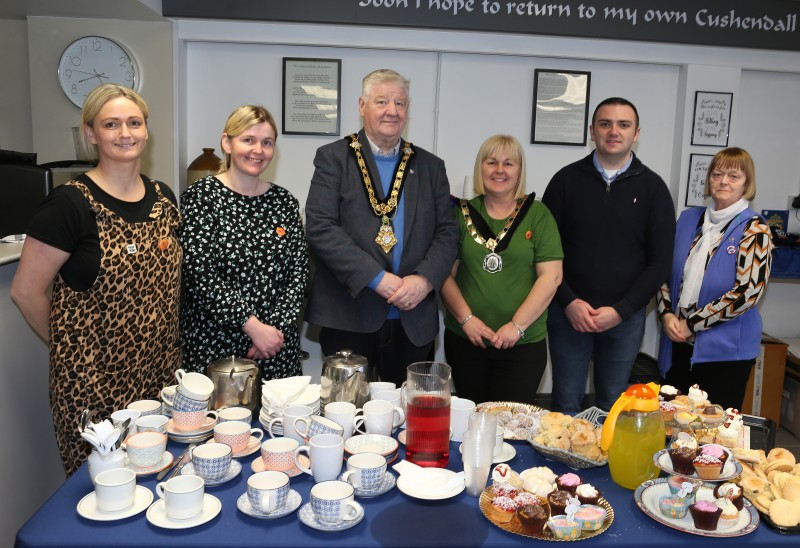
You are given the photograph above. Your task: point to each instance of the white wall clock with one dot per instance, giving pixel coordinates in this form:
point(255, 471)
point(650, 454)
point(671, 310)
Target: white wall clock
point(93, 60)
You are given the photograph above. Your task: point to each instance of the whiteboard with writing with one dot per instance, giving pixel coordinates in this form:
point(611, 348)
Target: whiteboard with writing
point(712, 118)
point(696, 188)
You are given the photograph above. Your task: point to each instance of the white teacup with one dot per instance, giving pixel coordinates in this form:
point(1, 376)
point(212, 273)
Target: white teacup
point(194, 385)
point(268, 490)
point(146, 407)
point(241, 414)
point(460, 410)
point(236, 434)
point(308, 427)
point(120, 416)
point(278, 453)
point(183, 496)
point(115, 489)
point(146, 448)
point(211, 460)
point(152, 423)
point(326, 453)
point(378, 417)
point(333, 502)
point(290, 415)
point(342, 413)
point(380, 386)
point(365, 471)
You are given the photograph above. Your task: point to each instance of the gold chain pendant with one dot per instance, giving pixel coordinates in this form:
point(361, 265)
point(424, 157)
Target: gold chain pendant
point(385, 237)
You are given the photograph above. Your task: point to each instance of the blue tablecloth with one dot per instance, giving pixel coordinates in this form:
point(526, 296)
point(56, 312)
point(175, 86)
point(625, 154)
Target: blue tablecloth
point(392, 519)
point(785, 262)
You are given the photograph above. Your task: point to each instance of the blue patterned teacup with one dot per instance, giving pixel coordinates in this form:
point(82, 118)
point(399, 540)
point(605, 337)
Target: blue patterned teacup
point(268, 490)
point(334, 502)
point(211, 460)
point(365, 471)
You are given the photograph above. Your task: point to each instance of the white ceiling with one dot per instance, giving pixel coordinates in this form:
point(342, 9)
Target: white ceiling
point(129, 10)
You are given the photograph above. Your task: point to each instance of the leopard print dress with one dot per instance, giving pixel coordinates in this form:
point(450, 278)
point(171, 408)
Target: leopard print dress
point(118, 341)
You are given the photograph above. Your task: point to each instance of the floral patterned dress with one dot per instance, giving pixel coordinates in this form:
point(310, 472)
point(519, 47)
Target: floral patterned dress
point(243, 256)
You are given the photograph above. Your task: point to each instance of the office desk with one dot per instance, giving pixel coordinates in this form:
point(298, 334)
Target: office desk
point(392, 519)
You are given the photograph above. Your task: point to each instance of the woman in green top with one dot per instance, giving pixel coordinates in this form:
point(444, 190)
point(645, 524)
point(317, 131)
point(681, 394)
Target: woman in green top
point(508, 269)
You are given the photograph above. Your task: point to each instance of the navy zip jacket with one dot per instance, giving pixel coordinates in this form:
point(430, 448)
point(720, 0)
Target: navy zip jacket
point(617, 238)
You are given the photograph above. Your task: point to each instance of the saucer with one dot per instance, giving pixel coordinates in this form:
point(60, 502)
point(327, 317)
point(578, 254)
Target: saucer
point(306, 515)
point(157, 514)
point(401, 437)
point(506, 454)
point(258, 466)
point(165, 461)
point(386, 485)
point(293, 502)
point(253, 445)
point(233, 470)
point(207, 426)
point(142, 498)
point(418, 488)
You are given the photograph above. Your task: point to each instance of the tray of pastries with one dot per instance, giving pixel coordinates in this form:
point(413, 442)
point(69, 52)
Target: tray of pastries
point(771, 482)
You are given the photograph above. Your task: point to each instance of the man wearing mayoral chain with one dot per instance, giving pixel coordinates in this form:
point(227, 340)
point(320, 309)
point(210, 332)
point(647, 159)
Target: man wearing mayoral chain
point(379, 222)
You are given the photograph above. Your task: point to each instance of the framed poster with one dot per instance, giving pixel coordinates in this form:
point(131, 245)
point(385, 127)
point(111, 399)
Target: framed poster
point(712, 118)
point(311, 96)
point(560, 107)
point(696, 187)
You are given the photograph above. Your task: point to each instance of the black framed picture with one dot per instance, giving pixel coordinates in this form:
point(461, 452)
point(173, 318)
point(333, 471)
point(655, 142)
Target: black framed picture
point(311, 96)
point(696, 184)
point(712, 118)
point(560, 107)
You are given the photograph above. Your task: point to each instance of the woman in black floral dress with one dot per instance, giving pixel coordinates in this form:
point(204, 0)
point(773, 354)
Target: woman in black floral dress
point(245, 262)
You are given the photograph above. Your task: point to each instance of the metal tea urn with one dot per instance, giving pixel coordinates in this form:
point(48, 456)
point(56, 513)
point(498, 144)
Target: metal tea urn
point(236, 383)
point(345, 377)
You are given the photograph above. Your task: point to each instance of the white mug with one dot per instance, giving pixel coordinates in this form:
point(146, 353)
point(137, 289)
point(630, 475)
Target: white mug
point(183, 496)
point(115, 489)
point(460, 410)
point(378, 417)
point(326, 453)
point(268, 490)
point(290, 415)
point(342, 413)
point(333, 502)
point(380, 386)
point(194, 385)
point(118, 417)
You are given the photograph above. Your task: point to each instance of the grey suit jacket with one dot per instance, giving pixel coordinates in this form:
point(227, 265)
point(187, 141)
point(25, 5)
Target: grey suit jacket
point(341, 229)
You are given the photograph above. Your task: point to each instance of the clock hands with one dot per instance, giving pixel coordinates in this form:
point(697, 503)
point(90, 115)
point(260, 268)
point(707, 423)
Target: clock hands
point(98, 75)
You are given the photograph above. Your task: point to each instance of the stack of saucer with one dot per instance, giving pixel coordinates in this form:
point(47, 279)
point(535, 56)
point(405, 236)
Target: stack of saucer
point(278, 394)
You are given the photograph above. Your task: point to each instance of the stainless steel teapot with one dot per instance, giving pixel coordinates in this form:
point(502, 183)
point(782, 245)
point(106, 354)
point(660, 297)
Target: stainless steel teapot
point(345, 377)
point(236, 383)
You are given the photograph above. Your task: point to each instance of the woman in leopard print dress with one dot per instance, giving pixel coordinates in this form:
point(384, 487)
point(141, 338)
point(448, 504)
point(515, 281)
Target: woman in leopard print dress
point(246, 262)
point(108, 242)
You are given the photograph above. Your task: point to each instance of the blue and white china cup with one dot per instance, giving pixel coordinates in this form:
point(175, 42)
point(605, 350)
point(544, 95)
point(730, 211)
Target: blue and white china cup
point(268, 490)
point(211, 460)
point(334, 502)
point(365, 471)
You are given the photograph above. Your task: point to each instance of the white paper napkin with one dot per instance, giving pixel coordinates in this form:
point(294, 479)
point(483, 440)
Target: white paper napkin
point(281, 392)
point(431, 481)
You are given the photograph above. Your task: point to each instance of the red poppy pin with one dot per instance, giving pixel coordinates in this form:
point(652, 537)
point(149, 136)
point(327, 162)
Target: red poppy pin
point(528, 235)
point(280, 231)
point(163, 244)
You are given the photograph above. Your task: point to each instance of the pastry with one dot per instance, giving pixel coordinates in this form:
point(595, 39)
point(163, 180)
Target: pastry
point(712, 414)
point(532, 518)
point(697, 397)
point(784, 513)
point(682, 458)
point(537, 486)
point(685, 417)
point(715, 450)
point(502, 473)
point(504, 490)
point(563, 529)
point(524, 498)
point(707, 467)
point(705, 515)
point(731, 491)
point(503, 509)
point(730, 514)
point(668, 410)
point(587, 493)
point(590, 516)
point(668, 393)
point(568, 482)
point(673, 506)
point(558, 502)
point(542, 472)
point(583, 441)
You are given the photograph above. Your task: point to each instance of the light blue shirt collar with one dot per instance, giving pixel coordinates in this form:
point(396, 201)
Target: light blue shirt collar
point(602, 172)
point(376, 151)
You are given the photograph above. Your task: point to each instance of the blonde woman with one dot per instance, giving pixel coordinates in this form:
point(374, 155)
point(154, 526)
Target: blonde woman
point(108, 243)
point(246, 261)
point(508, 269)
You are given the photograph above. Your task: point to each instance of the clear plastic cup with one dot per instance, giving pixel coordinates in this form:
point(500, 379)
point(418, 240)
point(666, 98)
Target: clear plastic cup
point(477, 454)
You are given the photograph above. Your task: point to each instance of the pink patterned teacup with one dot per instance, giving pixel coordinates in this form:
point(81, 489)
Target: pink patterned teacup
point(278, 453)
